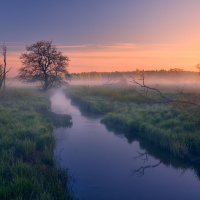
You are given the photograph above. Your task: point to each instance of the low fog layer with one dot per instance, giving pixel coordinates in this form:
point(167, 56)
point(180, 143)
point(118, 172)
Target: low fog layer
point(177, 81)
point(15, 83)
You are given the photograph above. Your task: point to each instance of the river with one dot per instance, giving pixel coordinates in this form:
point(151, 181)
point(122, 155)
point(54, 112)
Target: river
point(103, 165)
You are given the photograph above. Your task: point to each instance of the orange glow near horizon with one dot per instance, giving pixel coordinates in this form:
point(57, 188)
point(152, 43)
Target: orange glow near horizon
point(123, 57)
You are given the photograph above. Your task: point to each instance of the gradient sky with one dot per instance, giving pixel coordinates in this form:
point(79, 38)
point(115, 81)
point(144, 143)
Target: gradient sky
point(106, 35)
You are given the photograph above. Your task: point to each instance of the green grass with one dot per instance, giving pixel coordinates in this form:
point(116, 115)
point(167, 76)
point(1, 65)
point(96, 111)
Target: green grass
point(27, 169)
point(173, 128)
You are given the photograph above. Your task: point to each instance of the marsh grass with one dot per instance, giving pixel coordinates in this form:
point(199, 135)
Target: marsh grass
point(174, 128)
point(27, 169)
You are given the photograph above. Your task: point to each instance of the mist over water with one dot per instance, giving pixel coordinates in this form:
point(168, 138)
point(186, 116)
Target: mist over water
point(58, 99)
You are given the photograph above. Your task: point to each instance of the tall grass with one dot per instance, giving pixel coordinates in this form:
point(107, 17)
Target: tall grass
point(27, 169)
point(174, 128)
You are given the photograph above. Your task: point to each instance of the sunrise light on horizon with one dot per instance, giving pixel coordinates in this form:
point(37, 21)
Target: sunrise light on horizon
point(107, 35)
point(100, 99)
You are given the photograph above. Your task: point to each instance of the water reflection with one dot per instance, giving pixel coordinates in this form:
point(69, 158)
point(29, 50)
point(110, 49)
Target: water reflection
point(163, 156)
point(107, 167)
point(150, 149)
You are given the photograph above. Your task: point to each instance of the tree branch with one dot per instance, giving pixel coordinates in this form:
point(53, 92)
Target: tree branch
point(164, 97)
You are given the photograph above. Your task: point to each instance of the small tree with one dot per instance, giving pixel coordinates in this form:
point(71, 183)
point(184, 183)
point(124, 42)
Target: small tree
point(198, 67)
point(3, 68)
point(4, 54)
point(44, 63)
point(1, 76)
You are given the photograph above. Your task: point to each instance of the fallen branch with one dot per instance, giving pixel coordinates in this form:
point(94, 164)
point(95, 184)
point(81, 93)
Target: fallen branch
point(164, 97)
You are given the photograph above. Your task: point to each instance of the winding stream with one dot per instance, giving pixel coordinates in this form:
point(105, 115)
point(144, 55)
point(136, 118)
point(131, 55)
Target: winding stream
point(104, 165)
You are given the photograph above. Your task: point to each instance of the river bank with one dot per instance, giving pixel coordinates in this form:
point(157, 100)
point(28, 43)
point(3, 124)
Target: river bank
point(104, 164)
point(27, 168)
point(170, 127)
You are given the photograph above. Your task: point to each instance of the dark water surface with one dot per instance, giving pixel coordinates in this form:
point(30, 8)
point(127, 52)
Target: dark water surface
point(105, 166)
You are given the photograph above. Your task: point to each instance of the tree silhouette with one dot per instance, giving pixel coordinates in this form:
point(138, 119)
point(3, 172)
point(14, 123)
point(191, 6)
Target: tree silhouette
point(3, 67)
point(45, 64)
point(1, 76)
point(164, 98)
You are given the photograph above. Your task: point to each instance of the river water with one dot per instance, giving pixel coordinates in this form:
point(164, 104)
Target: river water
point(104, 165)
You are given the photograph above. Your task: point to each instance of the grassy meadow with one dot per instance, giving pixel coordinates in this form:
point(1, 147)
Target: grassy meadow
point(174, 128)
point(27, 169)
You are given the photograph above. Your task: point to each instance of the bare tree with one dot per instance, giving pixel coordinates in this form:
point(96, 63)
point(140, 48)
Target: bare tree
point(198, 67)
point(3, 67)
point(1, 76)
point(44, 63)
point(4, 53)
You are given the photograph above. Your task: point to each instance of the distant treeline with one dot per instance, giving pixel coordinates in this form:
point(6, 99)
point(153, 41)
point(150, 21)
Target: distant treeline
point(161, 73)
